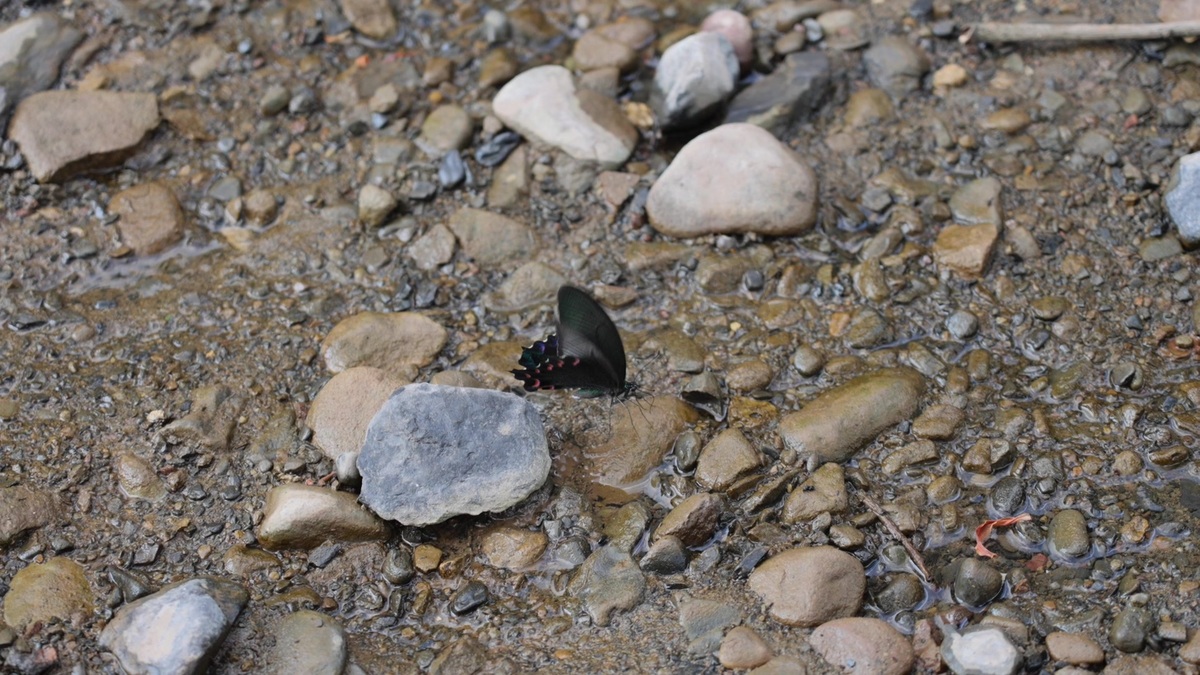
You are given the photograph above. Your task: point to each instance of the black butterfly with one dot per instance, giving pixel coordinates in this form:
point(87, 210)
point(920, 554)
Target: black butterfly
point(585, 354)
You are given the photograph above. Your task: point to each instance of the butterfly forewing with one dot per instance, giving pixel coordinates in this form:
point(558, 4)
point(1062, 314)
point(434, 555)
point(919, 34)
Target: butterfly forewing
point(585, 332)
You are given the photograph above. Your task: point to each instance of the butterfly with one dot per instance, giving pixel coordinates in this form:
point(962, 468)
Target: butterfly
point(586, 352)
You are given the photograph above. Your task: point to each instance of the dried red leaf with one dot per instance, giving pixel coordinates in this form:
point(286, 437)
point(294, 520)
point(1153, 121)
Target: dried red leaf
point(985, 530)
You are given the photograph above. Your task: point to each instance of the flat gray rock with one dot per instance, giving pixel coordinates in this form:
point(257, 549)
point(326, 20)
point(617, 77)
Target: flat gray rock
point(793, 92)
point(435, 452)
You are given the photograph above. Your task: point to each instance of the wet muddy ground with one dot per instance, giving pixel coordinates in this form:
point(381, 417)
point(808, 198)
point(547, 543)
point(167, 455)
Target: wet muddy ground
point(1069, 359)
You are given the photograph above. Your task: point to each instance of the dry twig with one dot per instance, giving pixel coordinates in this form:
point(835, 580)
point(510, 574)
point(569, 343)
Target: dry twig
point(1078, 32)
point(891, 526)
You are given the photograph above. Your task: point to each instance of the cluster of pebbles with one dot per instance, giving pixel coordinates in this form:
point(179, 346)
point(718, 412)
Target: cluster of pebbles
point(266, 268)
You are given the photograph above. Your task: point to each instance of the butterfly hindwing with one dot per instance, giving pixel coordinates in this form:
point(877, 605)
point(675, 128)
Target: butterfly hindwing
point(585, 354)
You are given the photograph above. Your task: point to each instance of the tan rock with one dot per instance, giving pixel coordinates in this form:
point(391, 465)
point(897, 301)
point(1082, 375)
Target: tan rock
point(151, 219)
point(64, 133)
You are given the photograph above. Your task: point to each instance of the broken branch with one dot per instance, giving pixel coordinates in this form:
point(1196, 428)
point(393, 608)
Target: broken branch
point(1078, 32)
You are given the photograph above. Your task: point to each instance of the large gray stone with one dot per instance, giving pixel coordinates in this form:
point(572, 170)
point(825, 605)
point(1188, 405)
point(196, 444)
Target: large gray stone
point(1183, 198)
point(694, 79)
point(176, 630)
point(31, 52)
point(435, 452)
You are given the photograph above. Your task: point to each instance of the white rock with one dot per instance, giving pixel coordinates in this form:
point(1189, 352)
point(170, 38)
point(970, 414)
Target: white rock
point(544, 105)
point(735, 178)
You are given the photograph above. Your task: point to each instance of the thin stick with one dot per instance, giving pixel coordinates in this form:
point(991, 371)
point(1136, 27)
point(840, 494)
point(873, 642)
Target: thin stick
point(891, 526)
point(1078, 32)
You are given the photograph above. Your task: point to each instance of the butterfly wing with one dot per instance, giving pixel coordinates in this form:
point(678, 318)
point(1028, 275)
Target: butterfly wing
point(587, 335)
point(570, 372)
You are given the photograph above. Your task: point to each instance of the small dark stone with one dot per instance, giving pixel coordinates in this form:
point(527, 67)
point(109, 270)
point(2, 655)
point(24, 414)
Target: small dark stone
point(1175, 116)
point(497, 149)
point(977, 583)
point(398, 566)
point(749, 561)
point(753, 280)
point(302, 102)
point(1008, 495)
point(920, 9)
point(146, 554)
point(468, 598)
point(1130, 628)
point(1189, 496)
point(903, 592)
point(131, 584)
point(324, 554)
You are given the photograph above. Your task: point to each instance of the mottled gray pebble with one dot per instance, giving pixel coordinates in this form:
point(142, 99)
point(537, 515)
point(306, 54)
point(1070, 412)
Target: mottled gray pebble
point(977, 583)
point(1068, 535)
point(695, 77)
point(308, 642)
point(665, 556)
point(895, 65)
point(347, 469)
point(1182, 200)
point(608, 581)
point(704, 623)
point(687, 448)
point(451, 170)
point(1130, 628)
point(468, 598)
point(962, 324)
point(904, 591)
point(807, 361)
point(398, 567)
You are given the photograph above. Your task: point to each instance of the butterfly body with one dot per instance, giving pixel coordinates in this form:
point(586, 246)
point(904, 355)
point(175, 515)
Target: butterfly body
point(586, 352)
